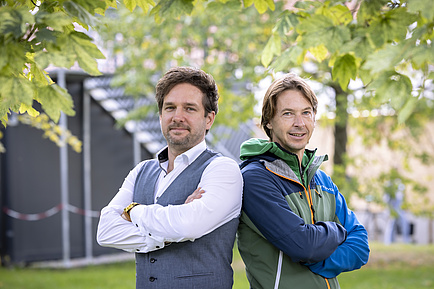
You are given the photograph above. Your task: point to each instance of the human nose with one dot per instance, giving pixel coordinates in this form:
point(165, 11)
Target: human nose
point(178, 115)
point(298, 121)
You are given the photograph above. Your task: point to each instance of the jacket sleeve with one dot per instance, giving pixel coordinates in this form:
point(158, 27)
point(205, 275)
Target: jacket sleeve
point(265, 205)
point(354, 252)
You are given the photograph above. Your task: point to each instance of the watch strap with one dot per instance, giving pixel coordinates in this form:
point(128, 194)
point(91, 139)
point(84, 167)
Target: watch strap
point(129, 207)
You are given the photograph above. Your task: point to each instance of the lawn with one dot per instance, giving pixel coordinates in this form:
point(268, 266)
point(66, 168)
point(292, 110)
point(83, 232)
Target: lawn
point(395, 266)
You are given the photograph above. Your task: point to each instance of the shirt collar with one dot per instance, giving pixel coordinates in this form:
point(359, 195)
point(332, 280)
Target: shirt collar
point(190, 155)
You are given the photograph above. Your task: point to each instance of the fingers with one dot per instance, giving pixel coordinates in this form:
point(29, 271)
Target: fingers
point(125, 217)
point(197, 194)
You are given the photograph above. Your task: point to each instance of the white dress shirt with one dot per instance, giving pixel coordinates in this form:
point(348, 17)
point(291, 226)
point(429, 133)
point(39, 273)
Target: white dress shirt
point(153, 226)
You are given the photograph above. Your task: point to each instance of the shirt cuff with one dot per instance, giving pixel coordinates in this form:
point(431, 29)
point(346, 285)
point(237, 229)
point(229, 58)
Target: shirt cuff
point(153, 242)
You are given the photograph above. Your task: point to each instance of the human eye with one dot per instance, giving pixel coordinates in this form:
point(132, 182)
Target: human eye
point(169, 107)
point(307, 113)
point(190, 108)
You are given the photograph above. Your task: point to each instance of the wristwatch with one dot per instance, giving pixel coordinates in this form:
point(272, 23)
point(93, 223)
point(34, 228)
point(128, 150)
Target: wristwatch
point(129, 207)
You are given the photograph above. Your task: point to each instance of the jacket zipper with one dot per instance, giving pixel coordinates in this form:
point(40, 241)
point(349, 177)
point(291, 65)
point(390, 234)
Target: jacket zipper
point(312, 211)
point(306, 191)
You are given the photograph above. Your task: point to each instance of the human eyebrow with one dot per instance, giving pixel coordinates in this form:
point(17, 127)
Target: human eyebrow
point(191, 104)
point(168, 104)
point(286, 110)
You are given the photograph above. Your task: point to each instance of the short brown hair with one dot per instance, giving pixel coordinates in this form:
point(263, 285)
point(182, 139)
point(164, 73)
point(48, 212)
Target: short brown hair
point(289, 81)
point(194, 76)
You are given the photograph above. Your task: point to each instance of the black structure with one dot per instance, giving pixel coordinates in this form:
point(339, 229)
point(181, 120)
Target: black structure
point(31, 183)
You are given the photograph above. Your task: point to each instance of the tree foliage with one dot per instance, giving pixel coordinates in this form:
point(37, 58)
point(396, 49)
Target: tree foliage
point(383, 46)
point(35, 35)
point(223, 39)
point(377, 57)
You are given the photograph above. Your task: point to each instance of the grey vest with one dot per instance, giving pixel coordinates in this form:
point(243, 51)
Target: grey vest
point(202, 264)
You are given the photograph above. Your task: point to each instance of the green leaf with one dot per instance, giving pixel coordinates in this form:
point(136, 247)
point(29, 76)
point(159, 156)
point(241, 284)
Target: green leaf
point(421, 55)
point(339, 14)
point(108, 3)
point(320, 52)
point(171, 9)
point(262, 5)
point(289, 58)
point(39, 76)
point(392, 26)
point(319, 29)
point(12, 57)
point(15, 91)
point(145, 5)
point(365, 76)
point(75, 46)
point(86, 52)
point(272, 48)
point(407, 110)
point(425, 7)
point(221, 9)
point(392, 87)
point(56, 20)
point(307, 4)
point(287, 22)
point(57, 58)
point(384, 59)
point(344, 69)
point(29, 109)
point(130, 4)
point(46, 35)
point(369, 9)
point(14, 21)
point(359, 45)
point(81, 14)
point(248, 3)
point(55, 99)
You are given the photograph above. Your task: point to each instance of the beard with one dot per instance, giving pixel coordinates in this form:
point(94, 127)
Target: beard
point(182, 142)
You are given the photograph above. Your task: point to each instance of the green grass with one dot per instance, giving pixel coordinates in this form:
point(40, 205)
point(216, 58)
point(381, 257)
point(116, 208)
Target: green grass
point(395, 266)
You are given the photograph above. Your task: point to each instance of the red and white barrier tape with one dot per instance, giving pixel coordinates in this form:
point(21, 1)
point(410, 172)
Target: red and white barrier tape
point(48, 213)
point(83, 212)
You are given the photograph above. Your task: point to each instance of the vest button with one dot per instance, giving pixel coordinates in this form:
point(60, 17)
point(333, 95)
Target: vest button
point(153, 260)
point(152, 279)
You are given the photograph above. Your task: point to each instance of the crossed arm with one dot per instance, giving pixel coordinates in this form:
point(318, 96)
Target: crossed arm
point(197, 194)
point(351, 254)
point(267, 208)
point(327, 248)
point(215, 202)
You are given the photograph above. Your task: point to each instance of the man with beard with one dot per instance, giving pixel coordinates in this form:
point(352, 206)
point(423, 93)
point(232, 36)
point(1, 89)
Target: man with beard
point(179, 212)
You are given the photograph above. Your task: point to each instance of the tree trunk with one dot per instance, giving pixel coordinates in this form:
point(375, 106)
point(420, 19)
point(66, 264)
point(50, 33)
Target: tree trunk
point(341, 121)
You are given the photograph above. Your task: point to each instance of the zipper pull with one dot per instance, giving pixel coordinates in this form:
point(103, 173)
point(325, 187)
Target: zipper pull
point(301, 196)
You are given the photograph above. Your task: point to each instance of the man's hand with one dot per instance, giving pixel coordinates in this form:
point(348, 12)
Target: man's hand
point(197, 194)
point(126, 217)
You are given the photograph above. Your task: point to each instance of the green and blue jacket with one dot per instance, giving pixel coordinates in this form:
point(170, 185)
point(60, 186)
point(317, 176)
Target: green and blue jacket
point(295, 230)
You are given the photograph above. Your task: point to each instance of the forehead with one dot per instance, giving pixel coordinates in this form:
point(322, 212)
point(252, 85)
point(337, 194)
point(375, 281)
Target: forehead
point(184, 93)
point(293, 100)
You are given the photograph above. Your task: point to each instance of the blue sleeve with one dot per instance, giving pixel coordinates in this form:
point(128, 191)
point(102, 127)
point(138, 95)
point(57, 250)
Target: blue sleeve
point(265, 205)
point(351, 254)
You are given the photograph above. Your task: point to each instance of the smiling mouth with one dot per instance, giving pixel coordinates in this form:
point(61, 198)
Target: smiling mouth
point(297, 134)
point(178, 129)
